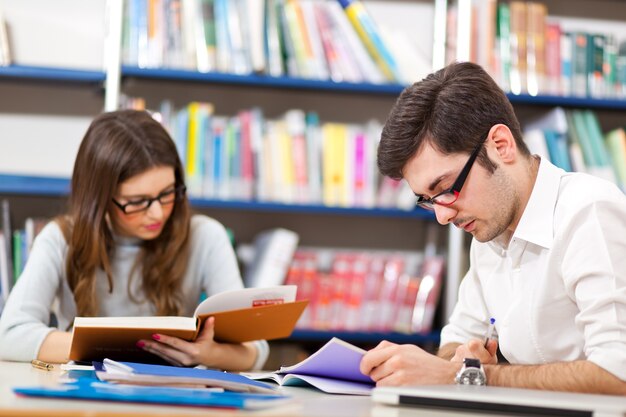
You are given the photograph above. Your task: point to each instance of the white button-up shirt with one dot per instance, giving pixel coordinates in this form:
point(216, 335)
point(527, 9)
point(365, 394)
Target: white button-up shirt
point(558, 290)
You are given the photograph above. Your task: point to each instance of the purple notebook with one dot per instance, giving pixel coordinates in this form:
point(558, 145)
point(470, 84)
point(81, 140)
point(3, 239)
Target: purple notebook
point(333, 369)
point(336, 359)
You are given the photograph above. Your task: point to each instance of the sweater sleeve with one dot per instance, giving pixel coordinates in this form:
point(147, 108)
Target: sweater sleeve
point(24, 323)
point(214, 256)
point(218, 267)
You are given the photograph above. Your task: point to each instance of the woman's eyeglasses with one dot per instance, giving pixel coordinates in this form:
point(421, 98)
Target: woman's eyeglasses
point(166, 197)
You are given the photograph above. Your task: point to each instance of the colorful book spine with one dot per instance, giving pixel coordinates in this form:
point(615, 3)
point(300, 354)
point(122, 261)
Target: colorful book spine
point(365, 27)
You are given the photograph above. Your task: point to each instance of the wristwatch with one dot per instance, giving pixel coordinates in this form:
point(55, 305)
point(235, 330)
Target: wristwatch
point(472, 373)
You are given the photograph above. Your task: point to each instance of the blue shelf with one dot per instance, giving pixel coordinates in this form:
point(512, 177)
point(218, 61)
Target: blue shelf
point(27, 185)
point(260, 81)
point(92, 76)
point(580, 102)
point(363, 337)
point(59, 187)
point(51, 74)
point(374, 89)
point(311, 209)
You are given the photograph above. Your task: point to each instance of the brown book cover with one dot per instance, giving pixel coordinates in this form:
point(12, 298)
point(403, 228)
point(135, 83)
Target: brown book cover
point(93, 340)
point(257, 314)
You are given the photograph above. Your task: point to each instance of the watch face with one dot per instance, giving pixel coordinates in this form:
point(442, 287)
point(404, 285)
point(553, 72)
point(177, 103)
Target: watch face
point(471, 376)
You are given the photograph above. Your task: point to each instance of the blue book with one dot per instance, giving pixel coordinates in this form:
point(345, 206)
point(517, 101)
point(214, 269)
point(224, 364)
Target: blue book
point(89, 389)
point(141, 373)
point(558, 150)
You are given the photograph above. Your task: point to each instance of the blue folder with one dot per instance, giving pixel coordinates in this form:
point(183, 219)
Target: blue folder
point(91, 389)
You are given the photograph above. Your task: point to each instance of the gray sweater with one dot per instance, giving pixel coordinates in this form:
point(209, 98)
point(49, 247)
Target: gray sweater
point(42, 288)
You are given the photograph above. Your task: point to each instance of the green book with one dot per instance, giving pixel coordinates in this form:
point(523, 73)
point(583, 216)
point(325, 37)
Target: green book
point(616, 144)
point(596, 138)
point(579, 64)
point(579, 134)
point(503, 35)
point(17, 254)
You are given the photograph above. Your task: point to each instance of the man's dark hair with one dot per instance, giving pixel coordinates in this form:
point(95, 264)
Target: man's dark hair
point(452, 109)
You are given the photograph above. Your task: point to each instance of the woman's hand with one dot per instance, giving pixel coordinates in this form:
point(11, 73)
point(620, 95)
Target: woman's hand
point(202, 351)
point(475, 349)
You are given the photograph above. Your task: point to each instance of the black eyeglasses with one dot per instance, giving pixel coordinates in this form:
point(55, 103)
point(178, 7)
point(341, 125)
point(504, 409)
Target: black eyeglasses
point(166, 197)
point(449, 196)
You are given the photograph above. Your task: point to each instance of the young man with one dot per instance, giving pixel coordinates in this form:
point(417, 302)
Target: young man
point(548, 258)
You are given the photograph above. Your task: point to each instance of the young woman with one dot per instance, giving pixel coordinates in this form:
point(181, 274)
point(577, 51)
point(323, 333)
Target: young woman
point(128, 246)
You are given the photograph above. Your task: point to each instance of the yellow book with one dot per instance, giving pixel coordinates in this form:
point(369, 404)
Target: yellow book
point(333, 164)
point(616, 145)
point(286, 162)
point(198, 114)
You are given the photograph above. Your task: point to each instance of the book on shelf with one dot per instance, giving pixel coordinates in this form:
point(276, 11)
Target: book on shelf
point(585, 129)
point(554, 58)
point(240, 316)
point(370, 36)
point(334, 369)
point(366, 290)
point(5, 53)
point(531, 52)
point(5, 281)
point(547, 136)
point(7, 255)
point(273, 40)
point(166, 375)
point(205, 36)
point(294, 159)
point(616, 144)
point(273, 251)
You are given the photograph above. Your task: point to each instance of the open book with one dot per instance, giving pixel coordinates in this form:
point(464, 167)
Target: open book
point(240, 316)
point(334, 369)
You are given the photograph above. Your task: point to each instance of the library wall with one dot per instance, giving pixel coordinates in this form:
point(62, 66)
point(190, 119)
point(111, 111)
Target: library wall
point(70, 34)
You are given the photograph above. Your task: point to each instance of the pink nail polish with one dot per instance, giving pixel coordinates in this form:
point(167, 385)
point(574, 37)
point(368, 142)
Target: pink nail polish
point(156, 337)
point(140, 344)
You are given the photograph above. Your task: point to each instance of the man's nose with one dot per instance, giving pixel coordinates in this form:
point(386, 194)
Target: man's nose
point(444, 214)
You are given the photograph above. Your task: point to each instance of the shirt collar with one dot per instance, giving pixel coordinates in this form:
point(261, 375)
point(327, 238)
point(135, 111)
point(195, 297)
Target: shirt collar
point(537, 222)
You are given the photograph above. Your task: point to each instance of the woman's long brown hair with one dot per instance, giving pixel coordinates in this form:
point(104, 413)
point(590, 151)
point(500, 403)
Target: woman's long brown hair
point(117, 146)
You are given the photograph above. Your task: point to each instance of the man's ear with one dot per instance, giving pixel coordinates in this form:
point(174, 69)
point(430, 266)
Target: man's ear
point(503, 142)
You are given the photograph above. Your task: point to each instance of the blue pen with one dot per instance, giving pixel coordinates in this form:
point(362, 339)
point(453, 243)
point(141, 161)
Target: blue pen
point(492, 325)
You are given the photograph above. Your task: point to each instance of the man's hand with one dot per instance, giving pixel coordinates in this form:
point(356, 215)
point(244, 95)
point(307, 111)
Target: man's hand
point(475, 349)
point(389, 364)
point(204, 350)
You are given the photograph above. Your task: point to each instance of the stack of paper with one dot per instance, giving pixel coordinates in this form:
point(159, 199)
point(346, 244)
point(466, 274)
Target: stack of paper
point(146, 374)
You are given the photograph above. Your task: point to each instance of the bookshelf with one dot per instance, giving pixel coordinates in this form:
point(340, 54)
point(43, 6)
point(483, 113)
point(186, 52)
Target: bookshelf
point(345, 101)
point(50, 74)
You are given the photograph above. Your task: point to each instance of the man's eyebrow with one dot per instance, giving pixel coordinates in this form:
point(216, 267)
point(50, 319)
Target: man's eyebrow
point(437, 180)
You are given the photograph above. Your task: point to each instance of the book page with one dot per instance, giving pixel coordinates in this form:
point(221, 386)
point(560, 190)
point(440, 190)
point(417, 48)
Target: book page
point(329, 385)
point(155, 322)
point(336, 359)
point(246, 298)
